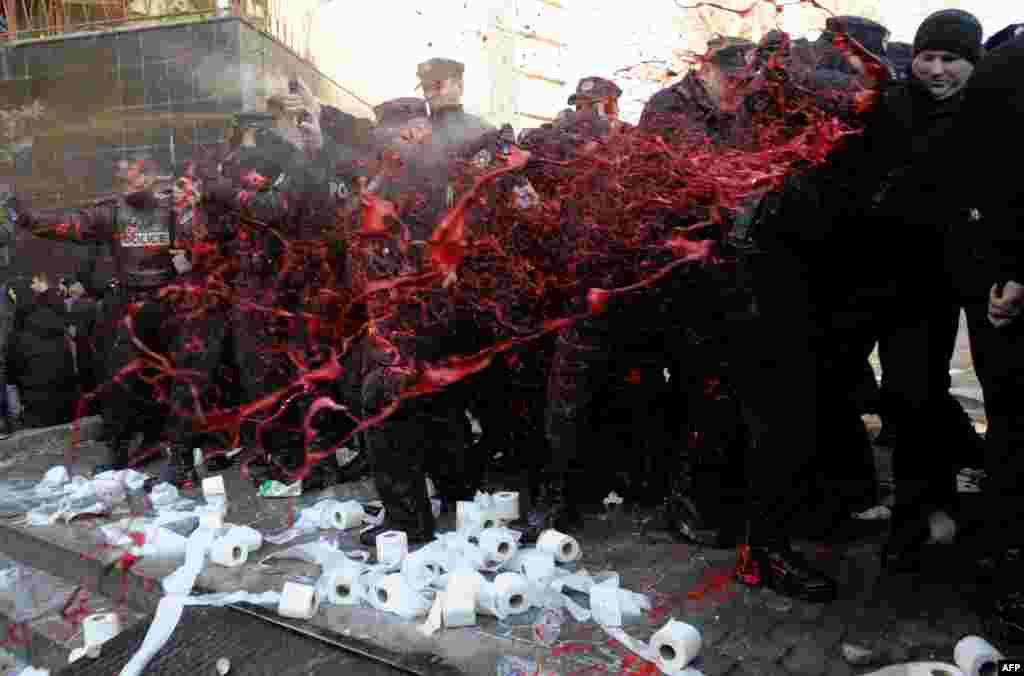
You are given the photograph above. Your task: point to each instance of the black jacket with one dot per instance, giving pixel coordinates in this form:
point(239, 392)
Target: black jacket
point(871, 213)
point(988, 146)
point(39, 354)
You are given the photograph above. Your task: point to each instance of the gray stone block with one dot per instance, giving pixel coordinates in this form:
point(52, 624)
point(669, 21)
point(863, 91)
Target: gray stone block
point(807, 659)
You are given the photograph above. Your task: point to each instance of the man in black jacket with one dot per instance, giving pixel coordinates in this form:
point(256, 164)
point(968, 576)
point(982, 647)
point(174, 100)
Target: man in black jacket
point(988, 257)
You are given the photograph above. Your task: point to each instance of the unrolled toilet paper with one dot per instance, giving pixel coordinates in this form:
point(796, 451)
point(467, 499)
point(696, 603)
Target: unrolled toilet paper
point(299, 601)
point(563, 547)
point(160, 543)
point(498, 544)
point(210, 516)
point(340, 585)
point(976, 656)
point(229, 551)
point(506, 505)
point(675, 645)
point(392, 547)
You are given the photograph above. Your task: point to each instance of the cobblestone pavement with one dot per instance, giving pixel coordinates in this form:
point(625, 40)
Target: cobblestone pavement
point(880, 619)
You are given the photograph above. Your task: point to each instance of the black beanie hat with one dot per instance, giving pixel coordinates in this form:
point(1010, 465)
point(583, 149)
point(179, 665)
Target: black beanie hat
point(1004, 36)
point(950, 30)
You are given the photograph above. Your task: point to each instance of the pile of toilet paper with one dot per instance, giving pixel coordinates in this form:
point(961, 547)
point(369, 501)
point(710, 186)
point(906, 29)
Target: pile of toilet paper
point(70, 497)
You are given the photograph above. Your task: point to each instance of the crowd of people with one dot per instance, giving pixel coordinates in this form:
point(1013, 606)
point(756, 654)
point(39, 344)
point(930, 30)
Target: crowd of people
point(294, 291)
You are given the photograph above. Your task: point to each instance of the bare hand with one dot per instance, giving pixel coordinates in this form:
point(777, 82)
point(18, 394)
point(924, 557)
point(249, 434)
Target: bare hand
point(1005, 304)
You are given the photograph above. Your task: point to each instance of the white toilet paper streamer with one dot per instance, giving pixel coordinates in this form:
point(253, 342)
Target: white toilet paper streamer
point(392, 547)
point(975, 656)
point(392, 594)
point(162, 544)
point(563, 547)
point(323, 515)
point(299, 601)
point(918, 669)
point(163, 496)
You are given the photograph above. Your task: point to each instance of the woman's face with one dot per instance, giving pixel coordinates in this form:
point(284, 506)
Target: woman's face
point(943, 73)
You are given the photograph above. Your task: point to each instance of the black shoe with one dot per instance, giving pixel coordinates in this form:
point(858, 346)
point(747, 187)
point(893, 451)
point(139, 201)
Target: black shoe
point(219, 462)
point(1008, 617)
point(6, 428)
point(905, 549)
point(787, 572)
point(356, 469)
point(686, 523)
point(414, 535)
point(107, 467)
point(180, 471)
point(554, 509)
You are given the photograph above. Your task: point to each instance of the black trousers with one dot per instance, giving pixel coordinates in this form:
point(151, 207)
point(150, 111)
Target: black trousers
point(998, 356)
point(423, 435)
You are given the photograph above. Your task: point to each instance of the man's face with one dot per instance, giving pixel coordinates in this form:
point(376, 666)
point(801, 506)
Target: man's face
point(943, 73)
point(181, 263)
point(39, 285)
point(76, 290)
point(607, 107)
point(440, 93)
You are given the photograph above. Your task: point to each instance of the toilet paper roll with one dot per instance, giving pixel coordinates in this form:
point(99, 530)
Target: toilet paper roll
point(340, 585)
point(425, 566)
point(508, 595)
point(471, 518)
point(392, 594)
point(460, 598)
point(248, 537)
point(99, 628)
point(563, 547)
point(213, 485)
point(538, 566)
point(675, 645)
point(340, 515)
point(298, 601)
point(229, 551)
point(498, 544)
point(392, 547)
point(975, 656)
point(506, 505)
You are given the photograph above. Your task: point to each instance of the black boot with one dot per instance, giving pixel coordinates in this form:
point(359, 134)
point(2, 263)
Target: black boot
point(554, 508)
point(120, 455)
point(6, 428)
point(180, 470)
point(787, 572)
point(407, 509)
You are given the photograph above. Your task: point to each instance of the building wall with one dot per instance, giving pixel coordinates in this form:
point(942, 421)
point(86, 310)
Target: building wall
point(71, 108)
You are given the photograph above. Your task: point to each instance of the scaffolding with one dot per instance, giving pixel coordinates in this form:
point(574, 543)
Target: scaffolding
point(47, 19)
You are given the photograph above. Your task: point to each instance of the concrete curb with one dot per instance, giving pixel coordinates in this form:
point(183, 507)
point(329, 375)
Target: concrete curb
point(89, 429)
